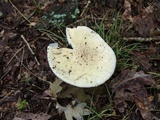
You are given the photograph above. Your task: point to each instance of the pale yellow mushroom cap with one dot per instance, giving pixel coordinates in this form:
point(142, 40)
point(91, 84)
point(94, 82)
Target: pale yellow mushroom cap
point(90, 63)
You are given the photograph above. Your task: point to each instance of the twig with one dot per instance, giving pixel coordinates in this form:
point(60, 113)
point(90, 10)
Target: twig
point(85, 8)
point(21, 62)
point(5, 27)
point(29, 47)
point(19, 12)
point(14, 55)
point(30, 71)
point(140, 39)
point(4, 75)
point(5, 97)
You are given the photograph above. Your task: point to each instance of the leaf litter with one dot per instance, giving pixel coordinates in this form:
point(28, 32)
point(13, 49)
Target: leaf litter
point(54, 88)
point(74, 110)
point(145, 21)
point(148, 58)
point(74, 92)
point(24, 76)
point(131, 86)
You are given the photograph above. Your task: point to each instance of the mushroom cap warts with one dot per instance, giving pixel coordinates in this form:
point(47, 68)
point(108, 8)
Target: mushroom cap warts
point(90, 63)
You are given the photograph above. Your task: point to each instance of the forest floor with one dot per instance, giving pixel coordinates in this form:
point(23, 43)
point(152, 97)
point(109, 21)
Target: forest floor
point(29, 90)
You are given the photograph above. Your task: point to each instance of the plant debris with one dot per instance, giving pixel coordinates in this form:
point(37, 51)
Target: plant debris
point(76, 111)
point(146, 58)
point(29, 89)
point(74, 92)
point(31, 116)
point(55, 88)
point(130, 86)
point(145, 21)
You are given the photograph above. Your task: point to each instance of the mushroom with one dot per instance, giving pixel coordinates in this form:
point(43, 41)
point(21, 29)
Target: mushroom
point(89, 63)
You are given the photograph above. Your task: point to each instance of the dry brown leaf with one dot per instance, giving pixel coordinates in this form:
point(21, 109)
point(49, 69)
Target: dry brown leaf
point(5, 36)
point(76, 111)
point(127, 13)
point(144, 25)
point(129, 86)
point(54, 88)
point(143, 19)
point(72, 91)
point(145, 58)
point(142, 59)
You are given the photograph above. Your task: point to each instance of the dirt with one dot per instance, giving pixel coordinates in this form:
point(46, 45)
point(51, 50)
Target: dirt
point(28, 27)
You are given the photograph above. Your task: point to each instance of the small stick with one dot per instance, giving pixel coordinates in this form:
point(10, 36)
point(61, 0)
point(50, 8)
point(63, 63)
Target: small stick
point(19, 12)
point(39, 77)
point(140, 39)
point(29, 47)
point(36, 60)
point(21, 61)
point(14, 55)
point(85, 8)
point(4, 75)
point(5, 97)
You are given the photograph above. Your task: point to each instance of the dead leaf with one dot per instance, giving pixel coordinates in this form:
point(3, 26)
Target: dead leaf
point(157, 4)
point(143, 19)
point(54, 88)
point(5, 36)
point(145, 58)
point(130, 86)
point(142, 59)
point(6, 8)
point(74, 111)
point(144, 25)
point(31, 116)
point(127, 13)
point(72, 91)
